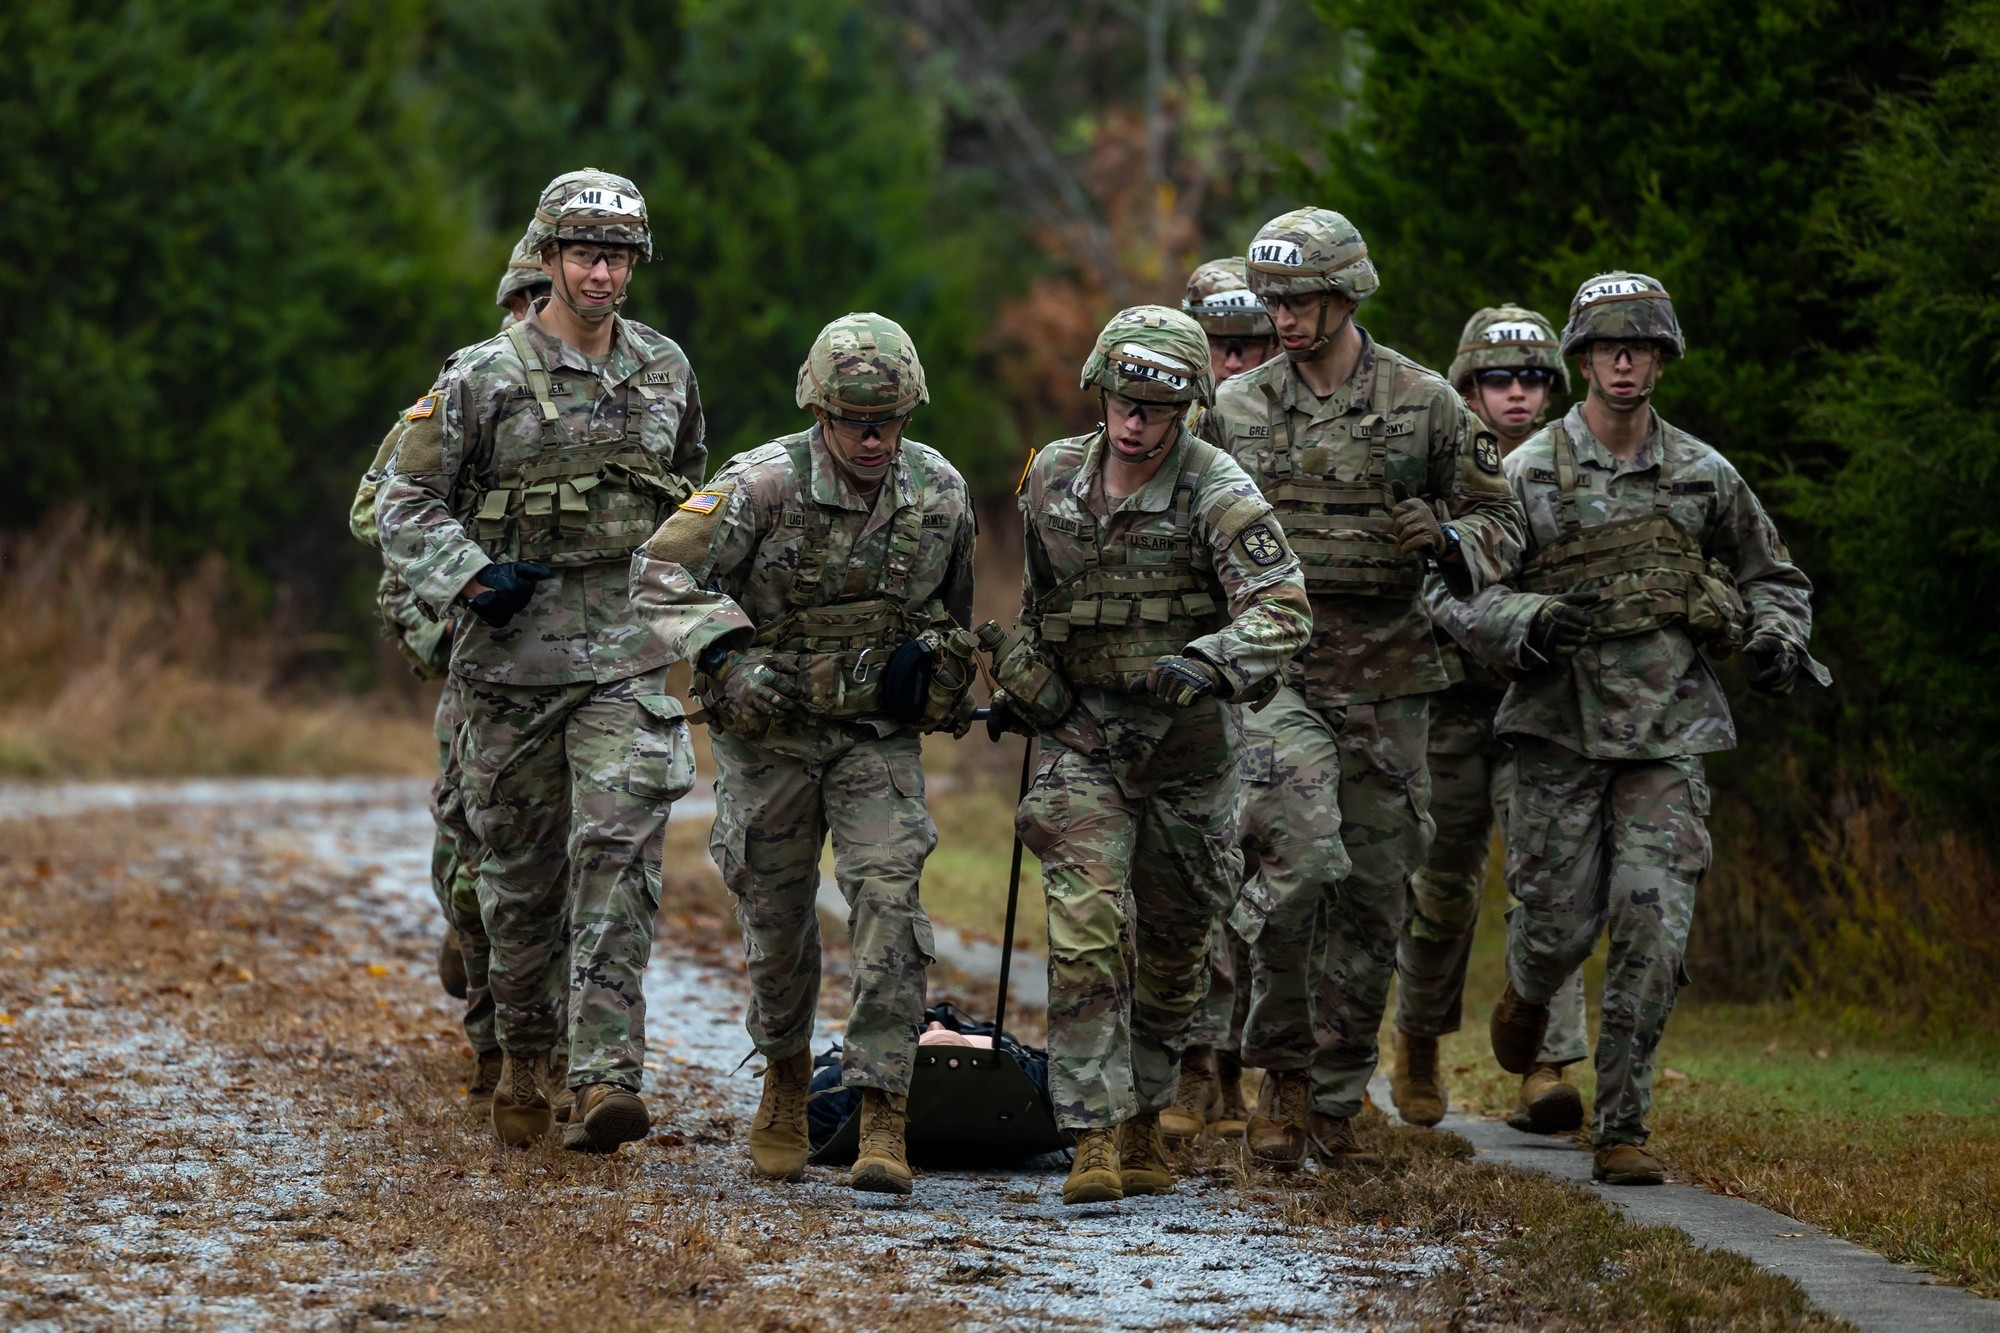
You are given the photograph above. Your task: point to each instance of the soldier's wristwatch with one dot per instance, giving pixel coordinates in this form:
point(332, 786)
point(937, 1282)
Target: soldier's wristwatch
point(1450, 542)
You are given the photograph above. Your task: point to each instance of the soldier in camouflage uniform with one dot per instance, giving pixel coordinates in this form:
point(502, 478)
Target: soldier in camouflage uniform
point(823, 585)
point(425, 643)
point(1507, 367)
point(1158, 592)
point(1377, 471)
point(516, 497)
point(1209, 1098)
point(1607, 826)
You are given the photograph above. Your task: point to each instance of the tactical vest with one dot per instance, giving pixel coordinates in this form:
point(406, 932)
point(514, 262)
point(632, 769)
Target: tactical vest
point(1650, 571)
point(576, 502)
point(1108, 624)
point(1345, 539)
point(839, 642)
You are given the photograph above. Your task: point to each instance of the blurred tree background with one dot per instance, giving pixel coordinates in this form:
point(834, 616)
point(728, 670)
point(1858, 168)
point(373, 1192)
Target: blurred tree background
point(239, 236)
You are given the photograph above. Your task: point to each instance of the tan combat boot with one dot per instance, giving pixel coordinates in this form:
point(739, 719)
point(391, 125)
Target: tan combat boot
point(1230, 1117)
point(1276, 1135)
point(1414, 1083)
point(778, 1143)
point(562, 1097)
point(879, 1164)
point(1547, 1104)
point(521, 1101)
point(485, 1077)
point(1196, 1097)
point(1142, 1156)
point(1337, 1148)
point(1094, 1174)
point(451, 966)
point(1516, 1030)
point(1626, 1164)
point(606, 1115)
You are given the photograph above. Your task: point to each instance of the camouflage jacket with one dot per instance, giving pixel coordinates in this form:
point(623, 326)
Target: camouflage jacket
point(1238, 550)
point(1364, 648)
point(723, 566)
point(1462, 716)
point(483, 417)
point(1650, 695)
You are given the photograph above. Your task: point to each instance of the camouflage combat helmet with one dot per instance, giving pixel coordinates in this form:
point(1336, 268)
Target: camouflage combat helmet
point(1507, 337)
point(1151, 354)
point(524, 272)
point(1219, 298)
point(863, 366)
point(1622, 305)
point(1311, 250)
point(591, 205)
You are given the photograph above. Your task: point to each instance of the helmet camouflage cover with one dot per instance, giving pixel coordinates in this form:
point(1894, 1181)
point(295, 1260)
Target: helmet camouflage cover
point(1151, 354)
point(1220, 299)
point(1626, 306)
point(1311, 250)
point(1507, 337)
point(863, 366)
point(591, 205)
point(524, 272)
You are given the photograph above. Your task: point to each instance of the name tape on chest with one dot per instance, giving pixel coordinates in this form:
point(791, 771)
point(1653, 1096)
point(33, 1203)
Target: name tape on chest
point(1693, 488)
point(937, 520)
point(1151, 541)
point(422, 408)
point(704, 502)
point(1061, 524)
point(1548, 475)
point(657, 377)
point(1277, 253)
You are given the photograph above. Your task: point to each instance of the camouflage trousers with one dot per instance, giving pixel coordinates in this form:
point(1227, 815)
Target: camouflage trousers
point(1135, 884)
point(1472, 779)
point(566, 790)
point(1617, 845)
point(1218, 1023)
point(1327, 951)
point(455, 872)
point(774, 812)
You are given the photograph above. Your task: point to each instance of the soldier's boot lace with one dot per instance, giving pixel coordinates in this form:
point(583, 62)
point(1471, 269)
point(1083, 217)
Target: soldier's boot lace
point(1547, 1105)
point(451, 966)
point(1094, 1175)
point(521, 1101)
point(778, 1143)
point(1230, 1115)
point(485, 1077)
point(1626, 1164)
point(1414, 1083)
point(1142, 1156)
point(1196, 1097)
point(1337, 1147)
point(1516, 1030)
point(879, 1164)
point(606, 1115)
point(1276, 1135)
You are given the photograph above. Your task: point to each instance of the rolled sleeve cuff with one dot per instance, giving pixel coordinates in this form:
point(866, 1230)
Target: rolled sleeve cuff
point(725, 624)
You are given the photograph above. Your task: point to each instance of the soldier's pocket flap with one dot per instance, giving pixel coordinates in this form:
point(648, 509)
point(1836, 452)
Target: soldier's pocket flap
point(1528, 826)
point(906, 771)
point(1258, 761)
point(926, 935)
point(1252, 910)
point(662, 765)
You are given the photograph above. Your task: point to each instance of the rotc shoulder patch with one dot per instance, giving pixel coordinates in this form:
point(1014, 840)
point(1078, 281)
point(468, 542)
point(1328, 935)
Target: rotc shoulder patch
point(422, 408)
point(1262, 545)
point(1486, 454)
point(704, 502)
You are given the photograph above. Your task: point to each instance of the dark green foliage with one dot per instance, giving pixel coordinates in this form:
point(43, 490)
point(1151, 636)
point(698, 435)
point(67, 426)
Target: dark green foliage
point(1508, 151)
point(1909, 520)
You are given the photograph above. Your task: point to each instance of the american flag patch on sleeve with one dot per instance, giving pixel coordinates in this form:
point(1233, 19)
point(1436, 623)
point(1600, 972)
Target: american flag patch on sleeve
point(703, 502)
point(422, 408)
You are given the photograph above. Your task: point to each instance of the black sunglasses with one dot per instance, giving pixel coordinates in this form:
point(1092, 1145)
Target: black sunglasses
point(1531, 377)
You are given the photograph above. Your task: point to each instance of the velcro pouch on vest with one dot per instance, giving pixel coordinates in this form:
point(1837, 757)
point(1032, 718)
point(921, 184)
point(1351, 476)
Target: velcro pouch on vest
point(1717, 617)
point(1041, 696)
point(1156, 610)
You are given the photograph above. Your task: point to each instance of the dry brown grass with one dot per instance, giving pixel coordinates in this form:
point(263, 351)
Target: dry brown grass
point(109, 667)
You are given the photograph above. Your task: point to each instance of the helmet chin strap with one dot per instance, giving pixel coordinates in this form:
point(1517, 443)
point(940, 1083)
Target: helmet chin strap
point(1322, 339)
point(593, 315)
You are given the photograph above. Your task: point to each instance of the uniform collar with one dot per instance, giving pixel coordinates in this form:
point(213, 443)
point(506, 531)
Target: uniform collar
point(1359, 388)
point(1591, 450)
point(622, 364)
point(1156, 496)
point(831, 486)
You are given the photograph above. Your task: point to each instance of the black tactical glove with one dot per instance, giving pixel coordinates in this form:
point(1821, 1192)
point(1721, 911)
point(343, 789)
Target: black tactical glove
point(1180, 681)
point(906, 681)
point(510, 586)
point(1001, 718)
point(1418, 531)
point(1773, 663)
point(1558, 628)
